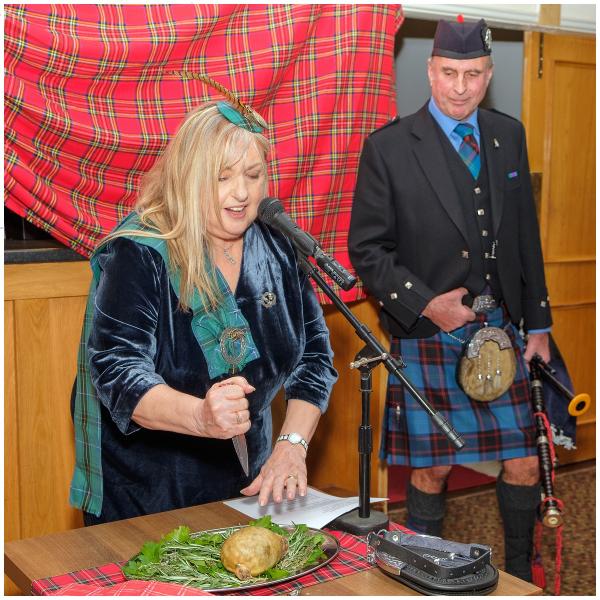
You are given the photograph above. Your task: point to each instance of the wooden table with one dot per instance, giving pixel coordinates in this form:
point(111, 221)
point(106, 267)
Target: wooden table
point(58, 553)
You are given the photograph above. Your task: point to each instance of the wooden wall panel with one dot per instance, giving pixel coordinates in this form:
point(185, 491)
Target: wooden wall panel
point(571, 283)
point(532, 112)
point(46, 280)
point(12, 527)
point(569, 205)
point(337, 435)
point(12, 512)
point(574, 331)
point(333, 457)
point(559, 108)
point(48, 332)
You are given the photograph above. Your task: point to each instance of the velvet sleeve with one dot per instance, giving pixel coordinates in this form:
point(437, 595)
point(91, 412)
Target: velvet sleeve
point(314, 375)
point(122, 343)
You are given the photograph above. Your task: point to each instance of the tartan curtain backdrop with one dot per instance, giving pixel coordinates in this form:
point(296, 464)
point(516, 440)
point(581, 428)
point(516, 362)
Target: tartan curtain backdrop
point(90, 103)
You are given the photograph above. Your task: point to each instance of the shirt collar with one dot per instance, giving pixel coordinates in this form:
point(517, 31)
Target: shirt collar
point(448, 123)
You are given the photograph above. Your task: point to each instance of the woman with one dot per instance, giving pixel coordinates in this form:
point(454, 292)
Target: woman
point(196, 318)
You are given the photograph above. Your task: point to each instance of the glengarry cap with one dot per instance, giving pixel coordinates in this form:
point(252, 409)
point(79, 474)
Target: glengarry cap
point(462, 40)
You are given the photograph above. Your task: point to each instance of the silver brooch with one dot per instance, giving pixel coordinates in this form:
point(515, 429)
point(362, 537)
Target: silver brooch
point(268, 299)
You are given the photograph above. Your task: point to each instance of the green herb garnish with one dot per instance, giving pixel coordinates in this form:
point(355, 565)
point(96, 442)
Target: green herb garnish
point(194, 558)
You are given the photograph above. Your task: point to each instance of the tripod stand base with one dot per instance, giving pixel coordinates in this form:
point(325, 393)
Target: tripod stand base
point(351, 522)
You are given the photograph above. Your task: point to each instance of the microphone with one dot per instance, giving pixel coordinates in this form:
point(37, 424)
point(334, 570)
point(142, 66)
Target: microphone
point(271, 212)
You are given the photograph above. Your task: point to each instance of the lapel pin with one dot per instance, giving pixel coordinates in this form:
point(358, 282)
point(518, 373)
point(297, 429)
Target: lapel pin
point(496, 143)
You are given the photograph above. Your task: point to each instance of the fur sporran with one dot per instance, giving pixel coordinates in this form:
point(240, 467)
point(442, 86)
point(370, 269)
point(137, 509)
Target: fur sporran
point(488, 365)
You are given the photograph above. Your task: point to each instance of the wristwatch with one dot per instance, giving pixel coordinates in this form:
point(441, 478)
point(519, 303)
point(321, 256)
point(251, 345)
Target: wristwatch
point(293, 438)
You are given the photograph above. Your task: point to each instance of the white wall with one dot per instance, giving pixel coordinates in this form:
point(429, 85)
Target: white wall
point(574, 17)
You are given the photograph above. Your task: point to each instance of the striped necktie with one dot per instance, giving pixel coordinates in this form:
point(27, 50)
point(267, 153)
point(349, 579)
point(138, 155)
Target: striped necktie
point(469, 149)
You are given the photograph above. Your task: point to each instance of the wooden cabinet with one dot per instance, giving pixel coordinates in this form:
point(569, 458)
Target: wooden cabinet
point(43, 310)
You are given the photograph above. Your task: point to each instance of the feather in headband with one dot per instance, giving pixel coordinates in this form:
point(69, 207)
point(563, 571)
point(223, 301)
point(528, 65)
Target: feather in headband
point(235, 111)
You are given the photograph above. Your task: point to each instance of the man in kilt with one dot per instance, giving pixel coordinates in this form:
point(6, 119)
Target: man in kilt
point(445, 235)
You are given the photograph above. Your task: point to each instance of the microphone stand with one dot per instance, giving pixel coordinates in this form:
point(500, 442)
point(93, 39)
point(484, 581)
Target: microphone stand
point(363, 520)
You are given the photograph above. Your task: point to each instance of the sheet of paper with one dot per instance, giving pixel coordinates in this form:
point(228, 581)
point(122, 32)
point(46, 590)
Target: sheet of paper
point(316, 509)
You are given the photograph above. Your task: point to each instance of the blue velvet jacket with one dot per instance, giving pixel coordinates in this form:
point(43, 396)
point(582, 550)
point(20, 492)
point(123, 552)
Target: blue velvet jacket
point(140, 338)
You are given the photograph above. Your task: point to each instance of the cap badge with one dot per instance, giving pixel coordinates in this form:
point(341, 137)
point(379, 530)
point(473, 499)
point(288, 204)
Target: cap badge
point(486, 36)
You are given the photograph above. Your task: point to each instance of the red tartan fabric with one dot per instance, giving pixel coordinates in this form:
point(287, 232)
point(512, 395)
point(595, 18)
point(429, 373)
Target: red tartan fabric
point(350, 559)
point(129, 588)
point(90, 102)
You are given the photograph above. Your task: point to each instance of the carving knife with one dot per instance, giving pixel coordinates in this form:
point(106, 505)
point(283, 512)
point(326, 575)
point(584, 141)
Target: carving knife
point(241, 449)
point(240, 445)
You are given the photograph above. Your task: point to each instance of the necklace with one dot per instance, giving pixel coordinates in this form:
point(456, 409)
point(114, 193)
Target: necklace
point(230, 259)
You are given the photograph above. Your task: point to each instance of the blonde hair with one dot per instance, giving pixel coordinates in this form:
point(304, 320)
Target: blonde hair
point(178, 194)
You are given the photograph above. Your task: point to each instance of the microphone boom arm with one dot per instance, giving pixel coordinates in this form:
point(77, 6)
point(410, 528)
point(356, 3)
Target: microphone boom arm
point(391, 364)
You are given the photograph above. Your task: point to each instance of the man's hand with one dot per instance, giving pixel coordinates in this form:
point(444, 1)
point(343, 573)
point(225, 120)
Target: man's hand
point(537, 343)
point(447, 310)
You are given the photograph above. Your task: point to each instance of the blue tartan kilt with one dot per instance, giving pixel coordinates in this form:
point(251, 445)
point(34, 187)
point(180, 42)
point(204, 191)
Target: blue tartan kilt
point(498, 430)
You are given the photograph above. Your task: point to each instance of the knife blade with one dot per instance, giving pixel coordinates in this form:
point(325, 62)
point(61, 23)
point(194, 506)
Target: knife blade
point(241, 449)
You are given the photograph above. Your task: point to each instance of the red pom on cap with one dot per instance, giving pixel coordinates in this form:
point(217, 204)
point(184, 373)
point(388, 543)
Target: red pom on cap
point(460, 19)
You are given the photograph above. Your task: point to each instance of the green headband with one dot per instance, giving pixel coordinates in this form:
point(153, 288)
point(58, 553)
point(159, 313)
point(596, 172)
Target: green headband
point(248, 119)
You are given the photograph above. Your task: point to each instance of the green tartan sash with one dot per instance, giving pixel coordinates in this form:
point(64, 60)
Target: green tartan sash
point(221, 351)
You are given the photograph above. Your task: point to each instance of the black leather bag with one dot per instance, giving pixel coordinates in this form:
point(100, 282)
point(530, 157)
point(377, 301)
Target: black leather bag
point(434, 566)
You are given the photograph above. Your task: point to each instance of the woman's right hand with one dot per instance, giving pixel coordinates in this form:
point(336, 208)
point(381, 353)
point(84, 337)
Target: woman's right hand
point(224, 412)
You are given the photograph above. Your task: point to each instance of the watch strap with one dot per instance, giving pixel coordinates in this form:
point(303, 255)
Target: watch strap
point(286, 438)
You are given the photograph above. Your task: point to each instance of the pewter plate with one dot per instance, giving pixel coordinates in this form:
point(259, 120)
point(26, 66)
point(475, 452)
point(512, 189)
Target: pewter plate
point(331, 547)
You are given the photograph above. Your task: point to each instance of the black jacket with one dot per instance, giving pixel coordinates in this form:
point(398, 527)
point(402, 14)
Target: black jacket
point(407, 238)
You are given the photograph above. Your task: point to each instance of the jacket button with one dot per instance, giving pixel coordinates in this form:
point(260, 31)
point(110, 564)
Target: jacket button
point(464, 253)
point(543, 303)
point(408, 285)
point(393, 296)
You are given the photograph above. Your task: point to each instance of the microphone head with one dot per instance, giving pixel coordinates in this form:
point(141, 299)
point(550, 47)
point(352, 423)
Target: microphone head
point(268, 208)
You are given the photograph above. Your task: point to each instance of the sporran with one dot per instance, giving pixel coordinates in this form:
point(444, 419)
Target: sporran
point(488, 365)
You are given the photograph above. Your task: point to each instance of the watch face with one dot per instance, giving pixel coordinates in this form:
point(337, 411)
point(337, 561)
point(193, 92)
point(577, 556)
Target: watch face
point(295, 438)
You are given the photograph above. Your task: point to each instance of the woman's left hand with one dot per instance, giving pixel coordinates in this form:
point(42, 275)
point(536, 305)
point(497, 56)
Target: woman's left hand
point(283, 475)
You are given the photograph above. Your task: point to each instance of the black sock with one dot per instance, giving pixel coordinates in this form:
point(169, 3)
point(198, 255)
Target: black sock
point(518, 508)
point(425, 511)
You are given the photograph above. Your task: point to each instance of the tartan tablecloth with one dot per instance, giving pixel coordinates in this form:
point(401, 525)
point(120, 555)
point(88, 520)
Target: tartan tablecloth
point(91, 101)
point(351, 559)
